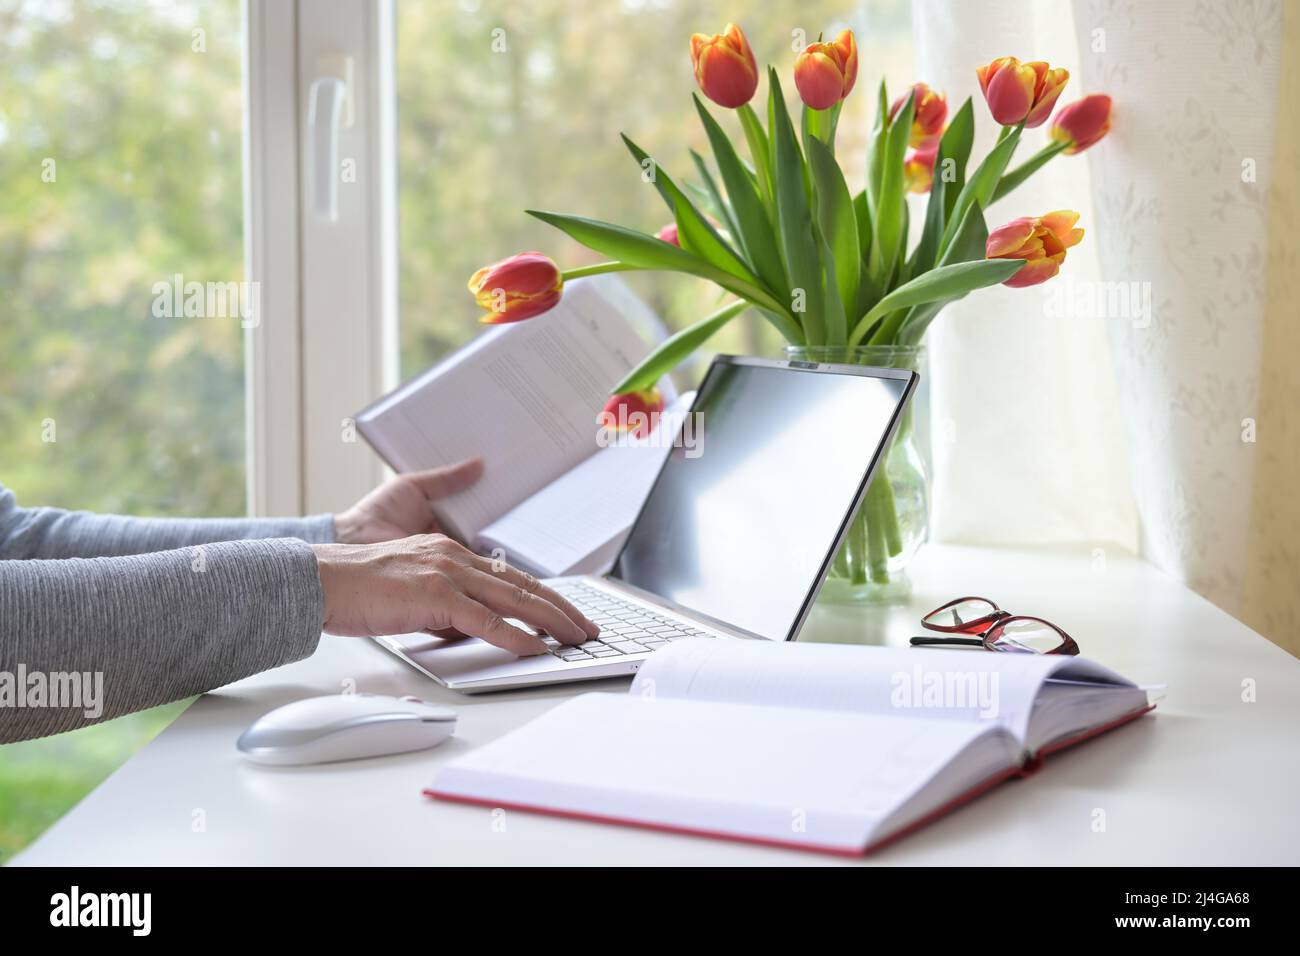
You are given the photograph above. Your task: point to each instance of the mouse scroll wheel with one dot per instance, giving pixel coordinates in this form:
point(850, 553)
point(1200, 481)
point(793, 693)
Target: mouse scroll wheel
point(411, 699)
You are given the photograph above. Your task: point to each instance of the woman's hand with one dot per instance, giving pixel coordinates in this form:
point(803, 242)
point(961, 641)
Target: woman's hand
point(402, 505)
point(431, 583)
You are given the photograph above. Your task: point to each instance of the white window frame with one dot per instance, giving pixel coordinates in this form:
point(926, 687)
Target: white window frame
point(326, 344)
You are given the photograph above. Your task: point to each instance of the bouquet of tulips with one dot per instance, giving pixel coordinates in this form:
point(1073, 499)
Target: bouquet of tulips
point(786, 236)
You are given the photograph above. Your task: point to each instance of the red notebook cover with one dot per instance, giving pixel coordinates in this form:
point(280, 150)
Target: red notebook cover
point(979, 789)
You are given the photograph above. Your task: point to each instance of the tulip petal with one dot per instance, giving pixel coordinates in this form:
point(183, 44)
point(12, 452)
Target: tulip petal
point(517, 288)
point(818, 79)
point(634, 413)
point(1060, 222)
point(1083, 123)
point(1032, 273)
point(1045, 100)
point(1011, 94)
point(724, 67)
point(1007, 238)
point(847, 44)
point(517, 309)
point(987, 72)
point(736, 37)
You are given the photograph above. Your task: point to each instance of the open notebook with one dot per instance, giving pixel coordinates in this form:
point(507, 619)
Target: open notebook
point(826, 747)
point(525, 397)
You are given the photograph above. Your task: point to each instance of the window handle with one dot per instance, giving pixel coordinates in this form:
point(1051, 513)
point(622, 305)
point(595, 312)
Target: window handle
point(324, 117)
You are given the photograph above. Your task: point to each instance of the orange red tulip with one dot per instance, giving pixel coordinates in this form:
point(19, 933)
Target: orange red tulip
point(724, 66)
point(1017, 92)
point(929, 111)
point(1083, 123)
point(632, 413)
point(825, 72)
point(918, 169)
point(517, 288)
point(1040, 240)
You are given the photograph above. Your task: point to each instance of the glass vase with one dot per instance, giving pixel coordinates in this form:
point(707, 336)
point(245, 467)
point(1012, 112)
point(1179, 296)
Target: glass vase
point(893, 520)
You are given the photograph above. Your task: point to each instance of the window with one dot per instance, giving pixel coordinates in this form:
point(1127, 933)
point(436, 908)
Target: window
point(121, 163)
point(120, 154)
point(503, 107)
point(123, 364)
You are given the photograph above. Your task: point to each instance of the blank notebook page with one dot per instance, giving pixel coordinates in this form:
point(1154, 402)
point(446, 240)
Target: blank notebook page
point(788, 775)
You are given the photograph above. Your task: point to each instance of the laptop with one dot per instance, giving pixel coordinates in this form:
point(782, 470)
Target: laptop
point(737, 533)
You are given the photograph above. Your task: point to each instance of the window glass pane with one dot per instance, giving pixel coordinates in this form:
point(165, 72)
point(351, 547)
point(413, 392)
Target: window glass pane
point(120, 159)
point(506, 106)
point(120, 140)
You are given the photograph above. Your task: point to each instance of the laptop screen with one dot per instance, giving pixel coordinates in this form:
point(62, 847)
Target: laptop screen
point(743, 516)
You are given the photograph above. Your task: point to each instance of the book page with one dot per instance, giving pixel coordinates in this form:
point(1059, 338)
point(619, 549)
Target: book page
point(809, 777)
point(973, 686)
point(524, 397)
point(576, 524)
point(1063, 710)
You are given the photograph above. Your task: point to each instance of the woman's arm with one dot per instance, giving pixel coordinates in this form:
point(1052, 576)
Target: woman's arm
point(55, 533)
point(86, 640)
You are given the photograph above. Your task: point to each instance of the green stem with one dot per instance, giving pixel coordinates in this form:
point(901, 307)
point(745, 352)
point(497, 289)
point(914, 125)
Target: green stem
point(597, 268)
point(759, 152)
point(674, 350)
point(889, 514)
point(840, 568)
point(877, 550)
point(1026, 169)
point(857, 545)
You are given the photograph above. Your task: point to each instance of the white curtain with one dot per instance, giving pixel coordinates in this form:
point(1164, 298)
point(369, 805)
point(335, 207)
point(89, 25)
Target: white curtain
point(1070, 419)
point(1027, 433)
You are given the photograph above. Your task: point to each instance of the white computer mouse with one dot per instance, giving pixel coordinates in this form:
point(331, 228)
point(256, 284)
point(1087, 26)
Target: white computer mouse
point(345, 727)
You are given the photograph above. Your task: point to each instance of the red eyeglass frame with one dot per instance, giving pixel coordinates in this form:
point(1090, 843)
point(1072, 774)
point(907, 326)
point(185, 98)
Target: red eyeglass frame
point(987, 629)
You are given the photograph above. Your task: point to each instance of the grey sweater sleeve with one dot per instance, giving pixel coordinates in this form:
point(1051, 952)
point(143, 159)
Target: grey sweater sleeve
point(87, 639)
point(55, 533)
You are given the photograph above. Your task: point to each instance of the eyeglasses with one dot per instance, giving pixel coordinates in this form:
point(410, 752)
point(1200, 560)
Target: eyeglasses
point(994, 629)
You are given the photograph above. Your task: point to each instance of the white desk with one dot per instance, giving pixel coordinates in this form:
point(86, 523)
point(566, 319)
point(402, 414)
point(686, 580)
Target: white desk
point(1207, 779)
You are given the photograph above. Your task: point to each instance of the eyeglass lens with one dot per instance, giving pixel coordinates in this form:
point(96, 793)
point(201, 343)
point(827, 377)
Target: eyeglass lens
point(1025, 636)
point(960, 614)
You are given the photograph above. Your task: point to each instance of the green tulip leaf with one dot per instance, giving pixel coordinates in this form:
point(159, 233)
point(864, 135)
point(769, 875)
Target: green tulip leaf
point(694, 231)
point(760, 151)
point(971, 239)
point(969, 245)
point(678, 347)
point(888, 221)
point(716, 204)
point(755, 228)
point(862, 216)
point(836, 320)
point(876, 150)
point(640, 251)
point(794, 218)
point(836, 217)
point(980, 187)
point(960, 140)
point(954, 149)
point(944, 282)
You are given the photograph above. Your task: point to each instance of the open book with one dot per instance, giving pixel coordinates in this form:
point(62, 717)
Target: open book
point(828, 747)
point(525, 397)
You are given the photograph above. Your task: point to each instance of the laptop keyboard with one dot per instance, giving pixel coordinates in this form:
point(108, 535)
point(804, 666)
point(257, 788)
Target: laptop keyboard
point(625, 628)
